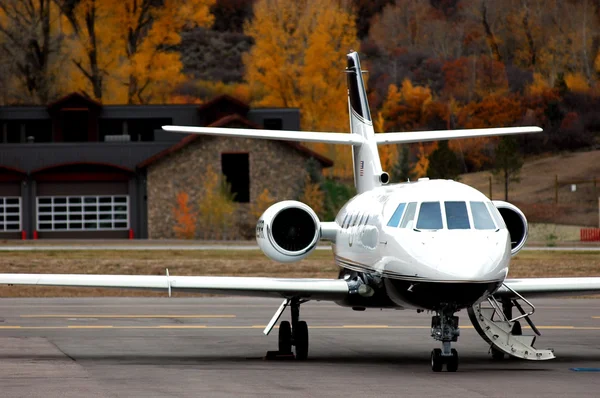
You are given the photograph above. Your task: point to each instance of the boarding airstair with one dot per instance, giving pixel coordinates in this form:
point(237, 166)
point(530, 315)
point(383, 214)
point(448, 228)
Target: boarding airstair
point(494, 323)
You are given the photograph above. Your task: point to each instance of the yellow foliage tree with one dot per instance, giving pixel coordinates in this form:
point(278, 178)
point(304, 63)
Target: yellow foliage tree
point(313, 196)
point(576, 82)
point(216, 207)
point(184, 217)
point(123, 49)
point(262, 203)
point(297, 60)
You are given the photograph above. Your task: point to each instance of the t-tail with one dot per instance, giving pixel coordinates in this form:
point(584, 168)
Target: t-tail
point(367, 165)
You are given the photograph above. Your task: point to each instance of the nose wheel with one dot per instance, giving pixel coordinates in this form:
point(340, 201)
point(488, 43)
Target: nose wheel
point(444, 328)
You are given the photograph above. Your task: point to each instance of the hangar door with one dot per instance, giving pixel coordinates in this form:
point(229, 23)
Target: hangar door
point(83, 209)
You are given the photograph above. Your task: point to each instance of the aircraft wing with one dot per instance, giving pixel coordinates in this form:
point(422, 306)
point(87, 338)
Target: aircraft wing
point(546, 287)
point(436, 135)
point(283, 135)
point(315, 289)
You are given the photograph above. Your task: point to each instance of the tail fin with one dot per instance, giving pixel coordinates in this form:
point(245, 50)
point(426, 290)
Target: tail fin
point(367, 166)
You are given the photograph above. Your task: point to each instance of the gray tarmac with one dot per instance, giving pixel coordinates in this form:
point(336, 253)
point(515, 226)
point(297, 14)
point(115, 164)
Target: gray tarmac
point(214, 347)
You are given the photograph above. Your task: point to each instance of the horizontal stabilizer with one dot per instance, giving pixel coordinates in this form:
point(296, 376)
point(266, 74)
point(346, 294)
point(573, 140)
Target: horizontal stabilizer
point(424, 136)
point(283, 135)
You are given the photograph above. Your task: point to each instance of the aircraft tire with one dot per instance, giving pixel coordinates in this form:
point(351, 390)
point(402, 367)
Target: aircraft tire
point(437, 361)
point(452, 364)
point(497, 355)
point(301, 340)
point(285, 337)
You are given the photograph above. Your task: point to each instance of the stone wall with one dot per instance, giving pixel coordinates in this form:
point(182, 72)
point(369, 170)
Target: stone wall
point(274, 165)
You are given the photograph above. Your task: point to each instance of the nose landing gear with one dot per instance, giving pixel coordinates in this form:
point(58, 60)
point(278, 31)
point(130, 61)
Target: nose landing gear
point(444, 328)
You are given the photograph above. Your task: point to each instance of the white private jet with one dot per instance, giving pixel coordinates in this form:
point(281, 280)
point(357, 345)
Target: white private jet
point(434, 245)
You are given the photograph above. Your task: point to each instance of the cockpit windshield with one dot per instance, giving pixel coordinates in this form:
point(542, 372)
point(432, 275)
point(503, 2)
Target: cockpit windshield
point(457, 216)
point(451, 215)
point(481, 216)
point(430, 216)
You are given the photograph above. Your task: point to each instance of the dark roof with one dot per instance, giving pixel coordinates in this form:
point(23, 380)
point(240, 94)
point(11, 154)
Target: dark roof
point(68, 165)
point(226, 121)
point(71, 99)
point(218, 101)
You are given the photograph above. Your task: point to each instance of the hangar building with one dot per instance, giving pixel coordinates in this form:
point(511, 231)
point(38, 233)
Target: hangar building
point(77, 169)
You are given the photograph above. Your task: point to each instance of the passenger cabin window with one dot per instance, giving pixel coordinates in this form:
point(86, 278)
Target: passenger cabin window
point(395, 220)
point(409, 216)
point(457, 216)
point(481, 216)
point(430, 216)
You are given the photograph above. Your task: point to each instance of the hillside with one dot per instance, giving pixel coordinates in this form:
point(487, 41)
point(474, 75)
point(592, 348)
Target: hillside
point(535, 194)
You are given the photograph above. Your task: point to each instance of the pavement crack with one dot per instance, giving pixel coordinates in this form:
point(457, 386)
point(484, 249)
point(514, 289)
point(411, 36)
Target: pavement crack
point(63, 352)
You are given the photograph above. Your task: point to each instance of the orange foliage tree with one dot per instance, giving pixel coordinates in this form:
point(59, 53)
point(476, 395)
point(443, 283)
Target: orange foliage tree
point(185, 218)
point(313, 196)
point(296, 62)
point(262, 203)
point(216, 207)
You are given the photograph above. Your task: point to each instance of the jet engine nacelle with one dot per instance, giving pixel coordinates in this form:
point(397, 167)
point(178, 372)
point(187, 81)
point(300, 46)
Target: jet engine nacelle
point(516, 223)
point(288, 231)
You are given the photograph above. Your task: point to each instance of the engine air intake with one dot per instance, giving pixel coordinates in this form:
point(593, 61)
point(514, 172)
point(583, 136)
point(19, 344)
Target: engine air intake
point(293, 229)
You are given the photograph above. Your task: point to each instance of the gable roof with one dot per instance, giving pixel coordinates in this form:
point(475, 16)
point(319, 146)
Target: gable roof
point(227, 121)
point(74, 98)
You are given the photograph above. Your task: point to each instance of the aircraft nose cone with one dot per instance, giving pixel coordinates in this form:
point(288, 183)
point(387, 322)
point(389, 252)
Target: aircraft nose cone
point(478, 257)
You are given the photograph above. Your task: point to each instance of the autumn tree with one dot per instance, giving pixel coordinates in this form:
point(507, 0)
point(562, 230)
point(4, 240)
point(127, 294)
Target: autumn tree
point(216, 207)
point(262, 203)
point(30, 46)
point(298, 61)
point(297, 58)
point(91, 44)
point(185, 218)
point(313, 196)
point(508, 162)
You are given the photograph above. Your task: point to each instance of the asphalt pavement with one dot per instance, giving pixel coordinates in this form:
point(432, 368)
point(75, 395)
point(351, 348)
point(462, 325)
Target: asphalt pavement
point(214, 347)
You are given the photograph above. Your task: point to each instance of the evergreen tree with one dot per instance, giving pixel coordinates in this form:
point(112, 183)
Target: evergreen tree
point(508, 162)
point(402, 171)
point(443, 163)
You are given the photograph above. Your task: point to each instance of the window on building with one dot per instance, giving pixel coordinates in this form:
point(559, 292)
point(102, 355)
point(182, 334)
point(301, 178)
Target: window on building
point(273, 124)
point(10, 214)
point(430, 216)
point(481, 216)
point(143, 129)
point(236, 169)
point(38, 131)
point(457, 216)
point(82, 213)
point(75, 125)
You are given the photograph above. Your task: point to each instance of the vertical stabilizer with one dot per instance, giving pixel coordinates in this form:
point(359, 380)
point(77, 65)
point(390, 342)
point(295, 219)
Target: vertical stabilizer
point(367, 166)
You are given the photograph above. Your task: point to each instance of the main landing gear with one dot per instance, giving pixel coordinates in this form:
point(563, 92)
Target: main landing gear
point(444, 328)
point(294, 334)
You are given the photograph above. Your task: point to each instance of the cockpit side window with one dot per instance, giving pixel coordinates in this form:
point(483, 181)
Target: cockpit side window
point(457, 216)
point(481, 216)
point(430, 216)
point(496, 214)
point(395, 220)
point(409, 215)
